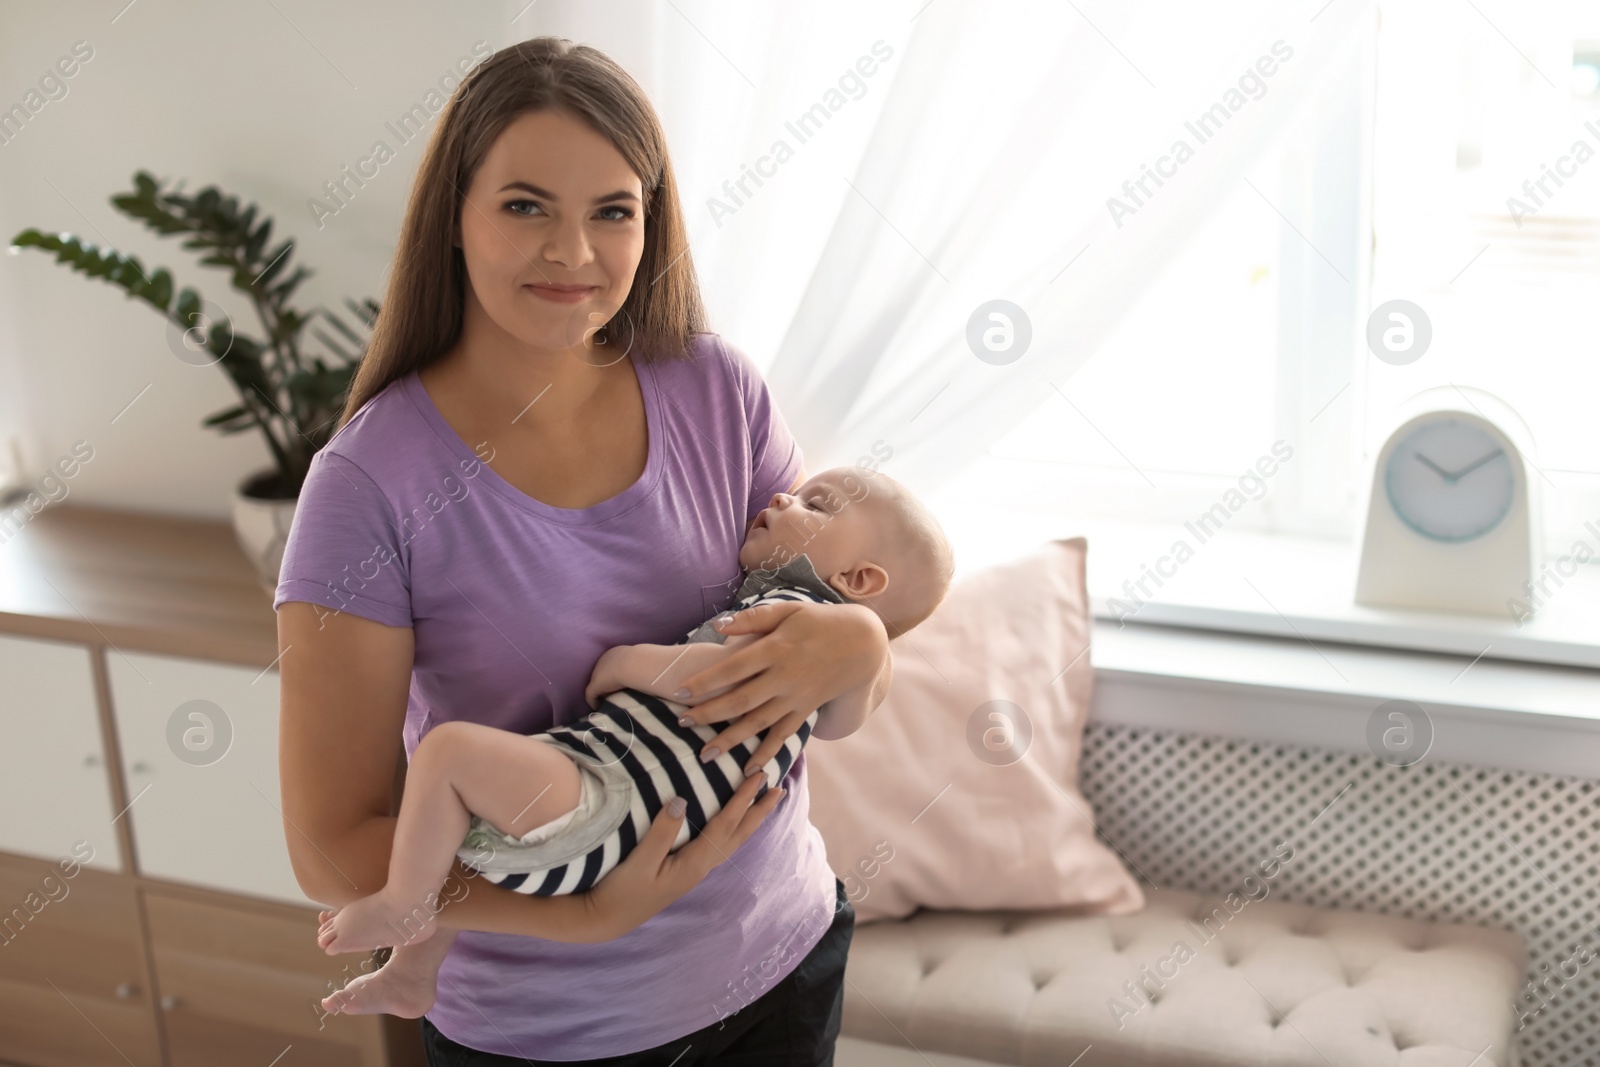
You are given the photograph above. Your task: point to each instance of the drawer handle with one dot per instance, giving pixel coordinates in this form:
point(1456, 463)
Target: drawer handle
point(91, 760)
point(125, 991)
point(170, 1003)
point(141, 767)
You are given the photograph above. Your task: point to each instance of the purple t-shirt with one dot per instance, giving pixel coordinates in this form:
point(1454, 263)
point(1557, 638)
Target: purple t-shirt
point(512, 601)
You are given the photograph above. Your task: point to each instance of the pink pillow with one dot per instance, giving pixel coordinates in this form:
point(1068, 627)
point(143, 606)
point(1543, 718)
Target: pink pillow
point(961, 791)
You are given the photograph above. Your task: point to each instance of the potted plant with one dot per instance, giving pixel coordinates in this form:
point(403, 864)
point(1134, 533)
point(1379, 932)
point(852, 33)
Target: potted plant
point(291, 395)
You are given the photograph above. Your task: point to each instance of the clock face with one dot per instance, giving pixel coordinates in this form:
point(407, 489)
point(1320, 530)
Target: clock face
point(1450, 480)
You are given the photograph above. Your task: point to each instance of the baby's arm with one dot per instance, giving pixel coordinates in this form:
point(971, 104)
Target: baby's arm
point(844, 714)
point(659, 669)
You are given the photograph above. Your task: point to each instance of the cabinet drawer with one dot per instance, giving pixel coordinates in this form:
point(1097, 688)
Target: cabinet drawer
point(54, 791)
point(74, 988)
point(200, 756)
point(240, 985)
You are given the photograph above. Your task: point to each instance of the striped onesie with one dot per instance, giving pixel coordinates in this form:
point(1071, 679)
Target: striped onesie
point(632, 758)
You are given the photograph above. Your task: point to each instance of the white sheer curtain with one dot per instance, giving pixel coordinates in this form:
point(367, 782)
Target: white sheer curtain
point(975, 165)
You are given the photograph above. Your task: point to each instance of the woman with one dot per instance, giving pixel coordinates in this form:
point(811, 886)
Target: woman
point(543, 456)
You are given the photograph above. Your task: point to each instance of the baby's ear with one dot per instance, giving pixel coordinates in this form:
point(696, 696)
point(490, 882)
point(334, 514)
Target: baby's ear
point(866, 580)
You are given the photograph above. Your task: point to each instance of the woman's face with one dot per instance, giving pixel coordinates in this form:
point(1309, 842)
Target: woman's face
point(552, 230)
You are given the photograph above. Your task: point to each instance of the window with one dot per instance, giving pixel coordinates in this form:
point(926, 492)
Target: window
point(1405, 178)
point(1486, 205)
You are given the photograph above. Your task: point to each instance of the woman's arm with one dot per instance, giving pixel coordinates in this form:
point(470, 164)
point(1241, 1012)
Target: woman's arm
point(344, 686)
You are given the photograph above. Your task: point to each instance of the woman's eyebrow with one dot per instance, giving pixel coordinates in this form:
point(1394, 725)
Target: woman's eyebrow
point(620, 194)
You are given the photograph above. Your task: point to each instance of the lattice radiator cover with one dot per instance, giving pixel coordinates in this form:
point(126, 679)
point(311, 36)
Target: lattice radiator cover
point(1436, 841)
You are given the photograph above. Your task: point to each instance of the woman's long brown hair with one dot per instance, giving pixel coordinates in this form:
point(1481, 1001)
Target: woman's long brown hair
point(423, 304)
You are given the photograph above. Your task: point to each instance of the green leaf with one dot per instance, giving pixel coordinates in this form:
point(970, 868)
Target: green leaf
point(337, 323)
point(258, 241)
point(296, 407)
point(229, 415)
point(188, 307)
point(282, 291)
point(279, 258)
point(331, 343)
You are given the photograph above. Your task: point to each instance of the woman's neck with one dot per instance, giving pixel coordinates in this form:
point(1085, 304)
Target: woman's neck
point(504, 381)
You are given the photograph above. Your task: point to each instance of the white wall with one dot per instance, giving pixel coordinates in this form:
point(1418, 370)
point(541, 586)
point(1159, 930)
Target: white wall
point(265, 105)
point(262, 105)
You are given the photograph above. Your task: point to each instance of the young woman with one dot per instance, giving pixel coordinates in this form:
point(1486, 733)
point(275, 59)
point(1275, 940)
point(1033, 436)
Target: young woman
point(544, 455)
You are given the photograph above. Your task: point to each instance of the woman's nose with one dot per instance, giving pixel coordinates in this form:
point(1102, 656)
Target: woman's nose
point(568, 245)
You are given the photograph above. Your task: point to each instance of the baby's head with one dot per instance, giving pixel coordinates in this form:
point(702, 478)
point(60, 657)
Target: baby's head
point(867, 536)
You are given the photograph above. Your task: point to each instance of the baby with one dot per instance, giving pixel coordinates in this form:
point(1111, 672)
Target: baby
point(554, 812)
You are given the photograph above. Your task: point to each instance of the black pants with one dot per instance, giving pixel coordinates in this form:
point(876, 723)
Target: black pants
point(793, 1024)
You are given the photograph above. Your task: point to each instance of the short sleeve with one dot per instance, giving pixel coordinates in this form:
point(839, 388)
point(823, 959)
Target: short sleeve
point(342, 551)
point(775, 457)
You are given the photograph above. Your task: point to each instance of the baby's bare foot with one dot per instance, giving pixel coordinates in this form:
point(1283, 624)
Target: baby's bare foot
point(389, 990)
point(375, 922)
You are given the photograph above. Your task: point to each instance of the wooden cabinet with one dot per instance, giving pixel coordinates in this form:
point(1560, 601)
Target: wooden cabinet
point(200, 756)
point(244, 985)
point(75, 989)
point(54, 791)
point(129, 646)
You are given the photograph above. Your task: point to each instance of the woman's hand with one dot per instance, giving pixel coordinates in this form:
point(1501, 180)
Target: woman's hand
point(652, 877)
point(809, 654)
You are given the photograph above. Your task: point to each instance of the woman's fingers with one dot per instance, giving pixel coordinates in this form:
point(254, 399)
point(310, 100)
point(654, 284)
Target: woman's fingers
point(751, 659)
point(737, 702)
point(746, 726)
point(780, 733)
point(652, 876)
point(657, 841)
point(637, 888)
point(727, 829)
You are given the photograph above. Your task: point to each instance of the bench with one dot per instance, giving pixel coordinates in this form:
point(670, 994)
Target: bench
point(1182, 983)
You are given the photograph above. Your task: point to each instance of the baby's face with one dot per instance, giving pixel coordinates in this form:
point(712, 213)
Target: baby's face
point(827, 519)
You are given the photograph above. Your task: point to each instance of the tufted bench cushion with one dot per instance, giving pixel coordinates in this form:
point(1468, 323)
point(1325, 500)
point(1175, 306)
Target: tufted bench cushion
point(1270, 984)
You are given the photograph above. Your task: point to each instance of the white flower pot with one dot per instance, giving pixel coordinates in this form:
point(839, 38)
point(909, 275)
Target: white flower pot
point(262, 527)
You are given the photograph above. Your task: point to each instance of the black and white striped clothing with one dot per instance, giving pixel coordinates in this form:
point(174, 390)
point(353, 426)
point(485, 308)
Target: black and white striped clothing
point(634, 758)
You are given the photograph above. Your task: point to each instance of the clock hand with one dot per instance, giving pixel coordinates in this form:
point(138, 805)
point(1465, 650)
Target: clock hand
point(1474, 466)
point(1442, 472)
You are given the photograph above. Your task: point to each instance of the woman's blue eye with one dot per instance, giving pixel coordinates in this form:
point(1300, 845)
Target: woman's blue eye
point(515, 206)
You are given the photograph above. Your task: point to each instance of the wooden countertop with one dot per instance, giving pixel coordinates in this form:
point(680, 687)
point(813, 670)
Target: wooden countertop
point(135, 582)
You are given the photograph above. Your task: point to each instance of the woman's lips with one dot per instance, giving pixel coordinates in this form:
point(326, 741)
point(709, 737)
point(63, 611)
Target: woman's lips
point(564, 295)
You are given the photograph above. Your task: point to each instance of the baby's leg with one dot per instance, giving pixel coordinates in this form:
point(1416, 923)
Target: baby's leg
point(404, 986)
point(460, 769)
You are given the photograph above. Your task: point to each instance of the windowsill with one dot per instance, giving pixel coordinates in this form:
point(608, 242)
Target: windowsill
point(1321, 694)
point(1209, 655)
point(1274, 585)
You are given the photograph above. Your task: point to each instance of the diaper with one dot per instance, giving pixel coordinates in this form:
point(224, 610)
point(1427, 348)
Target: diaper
point(604, 793)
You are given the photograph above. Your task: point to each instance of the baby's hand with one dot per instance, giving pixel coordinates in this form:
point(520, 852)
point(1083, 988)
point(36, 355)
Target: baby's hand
point(607, 676)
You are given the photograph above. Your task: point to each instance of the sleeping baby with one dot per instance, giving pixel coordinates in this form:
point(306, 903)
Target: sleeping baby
point(554, 812)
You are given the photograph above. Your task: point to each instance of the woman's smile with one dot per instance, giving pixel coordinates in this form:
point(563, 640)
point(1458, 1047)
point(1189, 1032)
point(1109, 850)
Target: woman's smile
point(564, 294)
